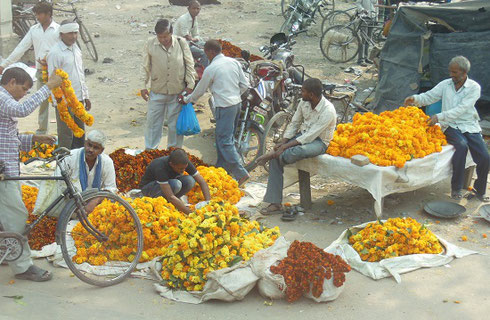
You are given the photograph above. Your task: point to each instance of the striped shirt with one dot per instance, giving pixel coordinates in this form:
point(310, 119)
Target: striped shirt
point(10, 139)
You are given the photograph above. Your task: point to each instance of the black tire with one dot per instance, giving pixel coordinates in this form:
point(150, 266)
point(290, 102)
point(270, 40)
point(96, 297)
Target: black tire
point(250, 148)
point(340, 44)
point(127, 225)
point(274, 131)
point(326, 7)
point(17, 28)
point(336, 18)
point(87, 40)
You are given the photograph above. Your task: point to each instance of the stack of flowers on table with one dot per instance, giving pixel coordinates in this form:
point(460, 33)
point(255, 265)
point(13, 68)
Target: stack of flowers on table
point(393, 238)
point(39, 150)
point(306, 267)
point(232, 51)
point(191, 246)
point(388, 139)
point(130, 169)
point(44, 232)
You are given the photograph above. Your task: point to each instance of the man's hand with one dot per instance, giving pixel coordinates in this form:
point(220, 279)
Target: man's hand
point(410, 101)
point(280, 143)
point(88, 104)
point(54, 81)
point(41, 138)
point(188, 38)
point(42, 62)
point(1, 70)
point(188, 91)
point(145, 94)
point(433, 120)
point(280, 150)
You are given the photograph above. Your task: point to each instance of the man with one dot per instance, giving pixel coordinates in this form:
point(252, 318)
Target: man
point(167, 61)
point(13, 86)
point(186, 26)
point(225, 78)
point(43, 37)
point(459, 120)
point(164, 177)
point(369, 9)
point(67, 55)
point(307, 136)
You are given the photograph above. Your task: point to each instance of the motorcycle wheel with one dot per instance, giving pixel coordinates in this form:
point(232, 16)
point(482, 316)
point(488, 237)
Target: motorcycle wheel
point(340, 44)
point(250, 146)
point(274, 132)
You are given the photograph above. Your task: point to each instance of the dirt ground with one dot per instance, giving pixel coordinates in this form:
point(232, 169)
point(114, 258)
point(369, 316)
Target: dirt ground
point(123, 26)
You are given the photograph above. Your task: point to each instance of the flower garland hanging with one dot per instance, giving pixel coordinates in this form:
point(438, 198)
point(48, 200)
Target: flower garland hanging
point(66, 98)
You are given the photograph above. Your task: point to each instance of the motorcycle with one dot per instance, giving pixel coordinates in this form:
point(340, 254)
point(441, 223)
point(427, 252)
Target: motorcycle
point(300, 14)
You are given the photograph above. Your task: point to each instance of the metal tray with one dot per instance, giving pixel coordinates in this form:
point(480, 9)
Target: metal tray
point(444, 209)
point(485, 212)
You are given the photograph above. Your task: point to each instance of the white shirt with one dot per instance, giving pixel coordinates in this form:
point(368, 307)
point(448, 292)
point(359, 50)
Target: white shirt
point(368, 5)
point(313, 123)
point(42, 40)
point(458, 107)
point(108, 174)
point(183, 26)
point(225, 77)
point(70, 60)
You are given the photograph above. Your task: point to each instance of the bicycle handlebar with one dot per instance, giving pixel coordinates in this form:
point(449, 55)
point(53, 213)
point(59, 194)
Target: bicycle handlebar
point(58, 154)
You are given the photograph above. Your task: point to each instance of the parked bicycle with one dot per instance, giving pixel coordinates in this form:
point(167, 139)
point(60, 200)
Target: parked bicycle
point(300, 14)
point(94, 236)
point(341, 43)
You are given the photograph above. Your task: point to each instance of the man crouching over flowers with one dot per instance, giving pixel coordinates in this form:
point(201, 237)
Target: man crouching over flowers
point(164, 177)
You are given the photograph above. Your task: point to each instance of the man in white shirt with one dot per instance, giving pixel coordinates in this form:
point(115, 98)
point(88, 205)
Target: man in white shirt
point(307, 136)
point(42, 36)
point(225, 78)
point(66, 55)
point(187, 27)
point(369, 9)
point(459, 120)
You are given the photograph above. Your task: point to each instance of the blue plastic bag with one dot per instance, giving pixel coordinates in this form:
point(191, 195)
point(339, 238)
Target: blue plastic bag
point(187, 124)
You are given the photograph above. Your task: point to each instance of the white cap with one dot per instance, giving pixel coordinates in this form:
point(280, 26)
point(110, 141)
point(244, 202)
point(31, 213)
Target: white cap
point(97, 137)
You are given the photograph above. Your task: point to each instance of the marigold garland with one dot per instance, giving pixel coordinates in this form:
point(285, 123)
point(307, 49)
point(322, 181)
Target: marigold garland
point(193, 245)
point(388, 139)
point(306, 267)
point(230, 50)
point(44, 232)
point(221, 185)
point(393, 238)
point(40, 150)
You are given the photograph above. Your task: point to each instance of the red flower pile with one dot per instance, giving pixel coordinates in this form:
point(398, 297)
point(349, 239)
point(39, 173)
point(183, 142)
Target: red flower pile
point(307, 266)
point(233, 51)
point(130, 169)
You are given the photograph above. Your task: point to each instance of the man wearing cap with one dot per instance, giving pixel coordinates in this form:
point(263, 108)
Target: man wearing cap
point(42, 36)
point(67, 55)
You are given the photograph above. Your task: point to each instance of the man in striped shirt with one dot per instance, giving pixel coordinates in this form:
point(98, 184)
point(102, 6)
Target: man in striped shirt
point(14, 85)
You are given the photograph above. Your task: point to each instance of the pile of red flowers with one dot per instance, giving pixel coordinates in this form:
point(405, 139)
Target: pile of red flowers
point(43, 232)
point(306, 267)
point(130, 169)
point(233, 51)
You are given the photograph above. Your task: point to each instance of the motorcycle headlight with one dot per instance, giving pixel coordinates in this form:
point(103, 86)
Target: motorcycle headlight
point(295, 26)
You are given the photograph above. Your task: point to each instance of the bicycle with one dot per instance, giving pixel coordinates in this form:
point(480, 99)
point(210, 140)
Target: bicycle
point(300, 14)
point(338, 17)
point(341, 43)
point(83, 31)
point(325, 5)
point(22, 19)
point(95, 236)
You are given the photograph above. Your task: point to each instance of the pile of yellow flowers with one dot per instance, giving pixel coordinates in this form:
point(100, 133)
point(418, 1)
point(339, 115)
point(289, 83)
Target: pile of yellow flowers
point(388, 139)
point(221, 185)
point(208, 239)
point(29, 196)
point(396, 237)
point(40, 150)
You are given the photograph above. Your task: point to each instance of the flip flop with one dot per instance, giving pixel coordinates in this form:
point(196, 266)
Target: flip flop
point(269, 209)
point(289, 215)
point(36, 274)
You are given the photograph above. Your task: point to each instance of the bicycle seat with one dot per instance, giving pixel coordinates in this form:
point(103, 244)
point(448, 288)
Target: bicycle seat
point(329, 86)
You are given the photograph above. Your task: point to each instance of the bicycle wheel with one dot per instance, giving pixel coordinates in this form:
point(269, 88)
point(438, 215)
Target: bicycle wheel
point(340, 44)
point(101, 261)
point(326, 6)
point(250, 146)
point(274, 130)
point(89, 43)
point(336, 18)
point(285, 7)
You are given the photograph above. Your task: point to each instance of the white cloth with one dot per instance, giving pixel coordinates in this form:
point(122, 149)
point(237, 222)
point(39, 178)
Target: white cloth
point(69, 27)
point(458, 107)
point(42, 40)
point(383, 181)
point(225, 77)
point(368, 5)
point(313, 123)
point(183, 26)
point(70, 60)
point(108, 174)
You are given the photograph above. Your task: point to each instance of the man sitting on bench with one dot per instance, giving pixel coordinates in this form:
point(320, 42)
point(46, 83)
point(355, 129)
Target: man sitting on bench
point(307, 136)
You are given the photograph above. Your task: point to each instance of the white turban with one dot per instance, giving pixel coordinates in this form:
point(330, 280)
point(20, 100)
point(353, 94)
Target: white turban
point(69, 27)
point(97, 137)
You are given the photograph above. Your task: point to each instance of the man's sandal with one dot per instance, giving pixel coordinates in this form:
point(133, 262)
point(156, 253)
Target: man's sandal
point(271, 209)
point(35, 274)
point(475, 194)
point(289, 214)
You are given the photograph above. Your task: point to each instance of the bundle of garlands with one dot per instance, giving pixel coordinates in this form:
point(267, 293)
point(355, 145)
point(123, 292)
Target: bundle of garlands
point(233, 51)
point(66, 100)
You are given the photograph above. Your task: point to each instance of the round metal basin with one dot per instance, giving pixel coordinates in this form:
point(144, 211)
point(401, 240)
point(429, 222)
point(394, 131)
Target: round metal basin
point(485, 212)
point(444, 209)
